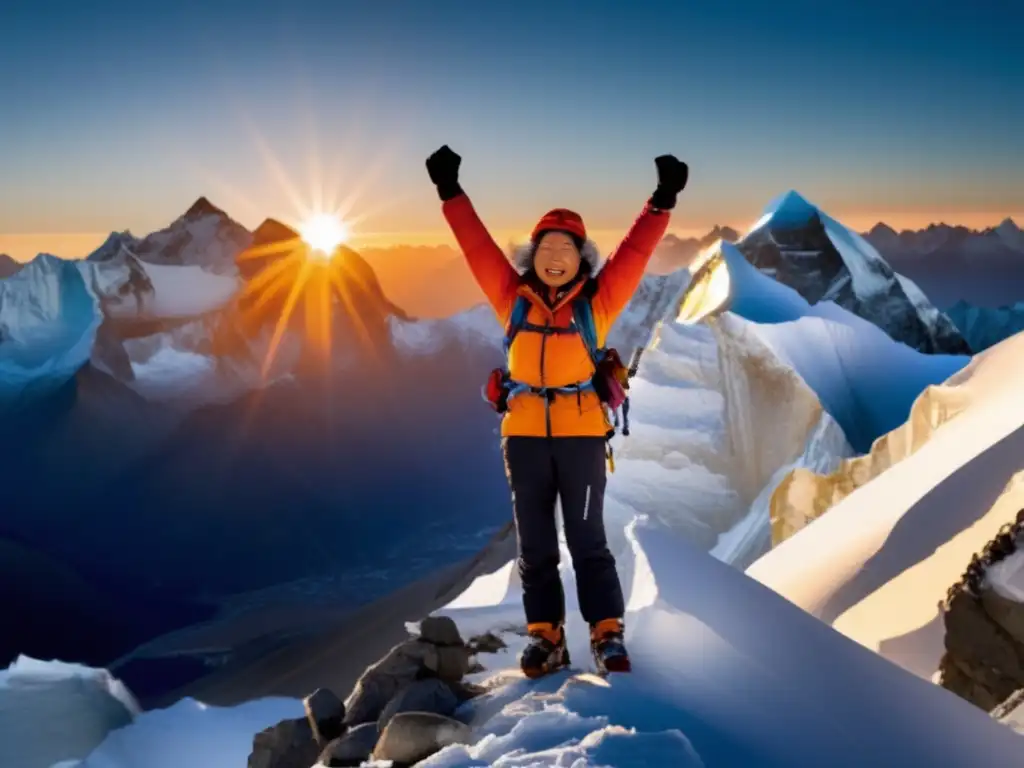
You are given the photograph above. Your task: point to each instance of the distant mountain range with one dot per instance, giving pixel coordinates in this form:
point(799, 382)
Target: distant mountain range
point(952, 263)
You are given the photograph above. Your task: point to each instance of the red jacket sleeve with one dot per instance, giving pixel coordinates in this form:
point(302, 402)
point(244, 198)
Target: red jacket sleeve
point(496, 277)
point(620, 277)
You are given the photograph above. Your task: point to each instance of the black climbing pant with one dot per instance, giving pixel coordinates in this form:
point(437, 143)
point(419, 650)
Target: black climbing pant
point(541, 470)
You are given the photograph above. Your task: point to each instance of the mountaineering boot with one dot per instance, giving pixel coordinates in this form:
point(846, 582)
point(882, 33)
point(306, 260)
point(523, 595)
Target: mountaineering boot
point(606, 643)
point(546, 652)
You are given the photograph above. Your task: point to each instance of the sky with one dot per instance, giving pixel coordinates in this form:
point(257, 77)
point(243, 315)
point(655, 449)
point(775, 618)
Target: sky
point(119, 115)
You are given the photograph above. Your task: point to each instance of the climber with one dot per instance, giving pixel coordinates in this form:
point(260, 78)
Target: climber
point(555, 424)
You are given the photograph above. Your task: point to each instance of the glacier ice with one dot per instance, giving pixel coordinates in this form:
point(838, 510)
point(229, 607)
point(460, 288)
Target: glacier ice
point(52, 711)
point(48, 321)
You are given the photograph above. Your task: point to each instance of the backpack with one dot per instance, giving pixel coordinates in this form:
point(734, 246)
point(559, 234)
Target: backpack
point(609, 381)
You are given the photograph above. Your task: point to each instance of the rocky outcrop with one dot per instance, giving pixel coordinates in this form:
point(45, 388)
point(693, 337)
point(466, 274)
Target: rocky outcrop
point(400, 709)
point(438, 653)
point(415, 736)
point(984, 642)
point(298, 743)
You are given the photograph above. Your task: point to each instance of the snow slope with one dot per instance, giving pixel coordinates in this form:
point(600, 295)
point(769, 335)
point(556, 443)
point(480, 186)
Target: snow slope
point(720, 668)
point(876, 564)
point(863, 378)
point(50, 711)
point(179, 291)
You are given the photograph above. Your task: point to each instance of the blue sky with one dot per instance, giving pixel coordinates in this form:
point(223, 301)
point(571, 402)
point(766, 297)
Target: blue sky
point(117, 115)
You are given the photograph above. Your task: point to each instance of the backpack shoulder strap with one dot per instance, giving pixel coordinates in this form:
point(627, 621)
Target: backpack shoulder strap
point(516, 321)
point(583, 317)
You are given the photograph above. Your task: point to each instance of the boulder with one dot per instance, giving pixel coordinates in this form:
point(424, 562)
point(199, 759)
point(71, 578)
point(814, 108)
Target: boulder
point(352, 749)
point(414, 736)
point(429, 695)
point(326, 715)
point(440, 630)
point(289, 744)
point(404, 664)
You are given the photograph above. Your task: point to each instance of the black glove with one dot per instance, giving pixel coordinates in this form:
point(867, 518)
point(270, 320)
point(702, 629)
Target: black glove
point(443, 167)
point(672, 176)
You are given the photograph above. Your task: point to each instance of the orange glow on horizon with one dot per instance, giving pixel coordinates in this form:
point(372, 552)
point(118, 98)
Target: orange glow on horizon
point(71, 245)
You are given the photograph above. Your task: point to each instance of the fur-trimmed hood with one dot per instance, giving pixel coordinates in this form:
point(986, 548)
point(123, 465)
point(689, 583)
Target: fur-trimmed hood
point(522, 257)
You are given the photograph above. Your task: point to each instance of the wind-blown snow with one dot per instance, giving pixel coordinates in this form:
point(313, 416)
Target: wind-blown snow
point(865, 380)
point(48, 322)
point(876, 565)
point(51, 711)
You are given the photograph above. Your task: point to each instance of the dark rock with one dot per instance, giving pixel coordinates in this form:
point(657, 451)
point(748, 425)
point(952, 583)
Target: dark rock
point(440, 630)
point(486, 643)
point(430, 695)
point(203, 207)
point(289, 744)
point(982, 663)
point(326, 715)
point(414, 736)
point(452, 662)
point(352, 749)
point(403, 665)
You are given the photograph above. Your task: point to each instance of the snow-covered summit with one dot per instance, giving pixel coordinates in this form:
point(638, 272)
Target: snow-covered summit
point(799, 245)
point(204, 236)
point(1011, 234)
point(115, 245)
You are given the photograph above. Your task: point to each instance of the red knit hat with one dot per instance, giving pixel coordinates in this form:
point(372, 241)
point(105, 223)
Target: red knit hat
point(562, 220)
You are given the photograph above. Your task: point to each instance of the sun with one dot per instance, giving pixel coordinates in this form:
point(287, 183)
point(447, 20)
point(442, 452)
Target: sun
point(323, 233)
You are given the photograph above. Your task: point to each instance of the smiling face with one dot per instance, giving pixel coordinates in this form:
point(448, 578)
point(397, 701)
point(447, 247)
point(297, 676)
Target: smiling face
point(556, 260)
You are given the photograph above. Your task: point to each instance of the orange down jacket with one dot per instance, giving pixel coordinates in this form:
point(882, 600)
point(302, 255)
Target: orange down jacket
point(561, 359)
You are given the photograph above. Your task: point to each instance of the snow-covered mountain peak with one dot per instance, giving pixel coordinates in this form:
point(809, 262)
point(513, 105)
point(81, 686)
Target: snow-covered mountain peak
point(115, 243)
point(803, 247)
point(203, 207)
point(789, 209)
point(1010, 234)
point(203, 236)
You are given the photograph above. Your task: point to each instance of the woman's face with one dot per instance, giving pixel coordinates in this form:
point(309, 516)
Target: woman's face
point(556, 260)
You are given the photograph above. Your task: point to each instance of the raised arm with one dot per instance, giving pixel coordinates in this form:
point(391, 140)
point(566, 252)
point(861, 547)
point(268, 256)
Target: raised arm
point(618, 281)
point(492, 271)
